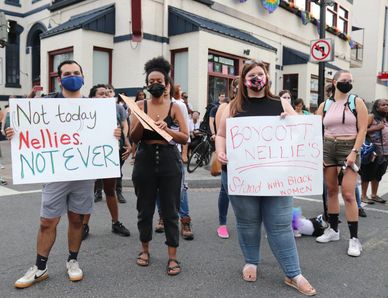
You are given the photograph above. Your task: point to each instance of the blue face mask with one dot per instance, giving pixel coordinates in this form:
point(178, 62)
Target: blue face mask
point(72, 83)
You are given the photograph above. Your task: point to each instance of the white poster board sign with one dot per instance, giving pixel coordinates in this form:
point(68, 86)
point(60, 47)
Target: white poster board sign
point(63, 139)
point(269, 156)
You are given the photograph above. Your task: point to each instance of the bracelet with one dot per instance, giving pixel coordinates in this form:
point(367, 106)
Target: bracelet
point(355, 150)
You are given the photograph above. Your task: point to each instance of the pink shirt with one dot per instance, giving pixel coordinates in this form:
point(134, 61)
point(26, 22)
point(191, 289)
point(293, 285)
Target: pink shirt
point(333, 120)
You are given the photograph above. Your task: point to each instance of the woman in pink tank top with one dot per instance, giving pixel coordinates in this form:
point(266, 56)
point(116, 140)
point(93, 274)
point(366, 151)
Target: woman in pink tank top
point(344, 132)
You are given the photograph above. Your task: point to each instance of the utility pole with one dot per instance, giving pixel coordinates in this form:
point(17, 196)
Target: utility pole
point(322, 35)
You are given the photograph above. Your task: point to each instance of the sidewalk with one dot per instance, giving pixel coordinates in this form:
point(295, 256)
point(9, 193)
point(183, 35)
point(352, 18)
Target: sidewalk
point(201, 177)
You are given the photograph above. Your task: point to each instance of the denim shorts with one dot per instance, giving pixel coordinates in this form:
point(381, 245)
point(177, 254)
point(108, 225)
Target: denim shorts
point(60, 197)
point(336, 151)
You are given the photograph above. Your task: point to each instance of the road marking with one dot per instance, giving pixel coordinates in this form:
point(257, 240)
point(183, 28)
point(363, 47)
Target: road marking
point(5, 191)
point(341, 203)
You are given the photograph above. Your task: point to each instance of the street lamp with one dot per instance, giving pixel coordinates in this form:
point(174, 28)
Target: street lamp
point(322, 34)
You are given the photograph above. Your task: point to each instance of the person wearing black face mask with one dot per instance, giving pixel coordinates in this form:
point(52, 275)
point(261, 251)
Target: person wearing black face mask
point(345, 118)
point(157, 167)
point(378, 135)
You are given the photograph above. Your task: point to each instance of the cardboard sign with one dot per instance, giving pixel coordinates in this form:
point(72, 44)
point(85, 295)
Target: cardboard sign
point(269, 156)
point(145, 120)
point(63, 139)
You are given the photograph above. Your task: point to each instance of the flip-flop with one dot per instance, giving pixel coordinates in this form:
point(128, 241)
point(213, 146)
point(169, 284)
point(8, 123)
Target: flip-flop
point(142, 261)
point(378, 199)
point(249, 272)
point(298, 285)
point(367, 200)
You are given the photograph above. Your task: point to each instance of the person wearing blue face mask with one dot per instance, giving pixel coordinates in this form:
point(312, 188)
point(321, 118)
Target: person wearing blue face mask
point(74, 197)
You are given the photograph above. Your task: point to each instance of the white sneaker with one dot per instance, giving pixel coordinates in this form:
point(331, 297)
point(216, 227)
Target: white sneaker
point(32, 276)
point(73, 270)
point(355, 247)
point(328, 235)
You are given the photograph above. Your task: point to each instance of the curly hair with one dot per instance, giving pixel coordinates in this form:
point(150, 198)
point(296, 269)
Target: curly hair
point(375, 110)
point(158, 64)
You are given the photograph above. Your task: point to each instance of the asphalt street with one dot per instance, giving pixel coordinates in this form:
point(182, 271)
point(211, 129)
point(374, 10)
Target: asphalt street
point(211, 267)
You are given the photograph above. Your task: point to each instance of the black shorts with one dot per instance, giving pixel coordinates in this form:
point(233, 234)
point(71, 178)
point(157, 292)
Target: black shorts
point(374, 170)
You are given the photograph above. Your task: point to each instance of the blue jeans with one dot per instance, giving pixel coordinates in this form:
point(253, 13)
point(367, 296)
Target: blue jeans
point(358, 196)
point(184, 206)
point(276, 213)
point(223, 199)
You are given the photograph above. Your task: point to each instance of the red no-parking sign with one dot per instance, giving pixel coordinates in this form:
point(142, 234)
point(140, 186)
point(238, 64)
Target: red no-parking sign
point(322, 50)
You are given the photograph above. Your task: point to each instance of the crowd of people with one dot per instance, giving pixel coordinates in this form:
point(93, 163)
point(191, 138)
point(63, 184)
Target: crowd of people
point(159, 174)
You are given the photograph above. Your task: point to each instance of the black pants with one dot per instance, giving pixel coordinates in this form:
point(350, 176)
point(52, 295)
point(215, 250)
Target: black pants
point(157, 170)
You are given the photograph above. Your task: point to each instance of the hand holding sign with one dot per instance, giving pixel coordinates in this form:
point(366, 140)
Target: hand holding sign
point(63, 139)
point(269, 156)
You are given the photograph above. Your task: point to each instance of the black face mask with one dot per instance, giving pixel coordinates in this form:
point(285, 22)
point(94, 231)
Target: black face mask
point(344, 87)
point(156, 89)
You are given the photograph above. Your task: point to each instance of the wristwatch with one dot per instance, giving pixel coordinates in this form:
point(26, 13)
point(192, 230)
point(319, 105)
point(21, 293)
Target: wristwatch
point(355, 150)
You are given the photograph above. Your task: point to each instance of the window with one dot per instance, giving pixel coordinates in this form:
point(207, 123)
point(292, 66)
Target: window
point(343, 16)
point(180, 60)
point(315, 10)
point(102, 66)
point(12, 56)
point(222, 69)
point(290, 82)
point(59, 4)
point(13, 2)
point(55, 58)
point(331, 16)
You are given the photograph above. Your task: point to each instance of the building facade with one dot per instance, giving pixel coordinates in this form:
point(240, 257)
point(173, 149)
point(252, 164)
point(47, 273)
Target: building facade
point(371, 80)
point(206, 41)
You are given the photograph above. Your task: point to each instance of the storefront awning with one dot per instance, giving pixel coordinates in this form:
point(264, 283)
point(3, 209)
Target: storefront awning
point(291, 57)
point(180, 22)
point(99, 20)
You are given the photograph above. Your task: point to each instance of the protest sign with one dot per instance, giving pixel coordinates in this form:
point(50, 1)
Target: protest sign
point(145, 120)
point(63, 139)
point(269, 156)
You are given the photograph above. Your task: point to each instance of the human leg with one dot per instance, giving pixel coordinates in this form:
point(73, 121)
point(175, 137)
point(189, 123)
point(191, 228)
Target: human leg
point(277, 217)
point(248, 218)
point(223, 204)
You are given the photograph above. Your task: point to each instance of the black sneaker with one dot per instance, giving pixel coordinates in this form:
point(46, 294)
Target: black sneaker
point(361, 212)
point(85, 232)
point(97, 196)
point(118, 228)
point(121, 198)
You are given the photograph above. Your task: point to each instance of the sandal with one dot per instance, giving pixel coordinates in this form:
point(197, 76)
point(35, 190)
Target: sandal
point(141, 261)
point(173, 270)
point(378, 199)
point(301, 284)
point(249, 272)
point(367, 200)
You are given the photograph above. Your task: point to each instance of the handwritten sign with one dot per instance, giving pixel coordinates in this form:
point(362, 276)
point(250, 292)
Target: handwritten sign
point(269, 156)
point(145, 120)
point(63, 139)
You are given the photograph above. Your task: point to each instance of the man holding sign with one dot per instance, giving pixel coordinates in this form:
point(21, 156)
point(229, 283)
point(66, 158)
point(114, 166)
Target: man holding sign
point(74, 197)
point(251, 201)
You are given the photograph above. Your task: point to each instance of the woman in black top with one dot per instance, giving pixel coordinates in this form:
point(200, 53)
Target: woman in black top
point(254, 98)
point(157, 166)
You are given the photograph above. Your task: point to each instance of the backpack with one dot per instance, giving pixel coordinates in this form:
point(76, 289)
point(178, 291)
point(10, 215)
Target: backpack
point(351, 103)
point(368, 153)
point(204, 126)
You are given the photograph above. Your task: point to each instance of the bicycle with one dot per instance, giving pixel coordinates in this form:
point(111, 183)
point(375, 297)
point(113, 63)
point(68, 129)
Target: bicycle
point(201, 154)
